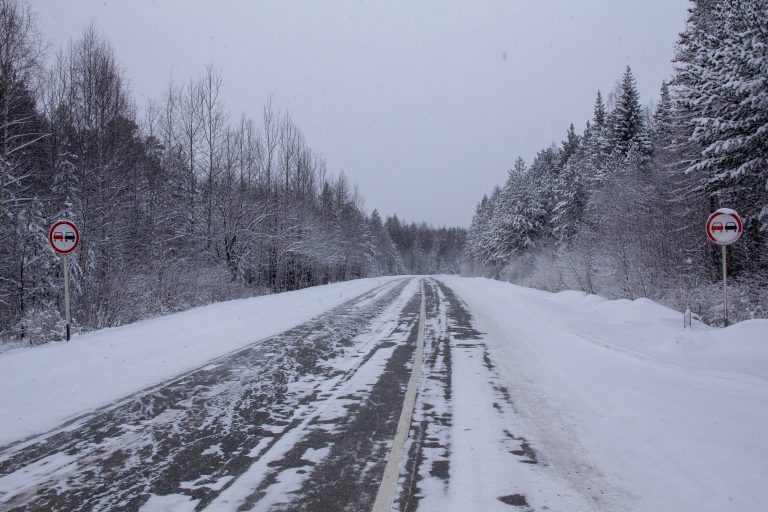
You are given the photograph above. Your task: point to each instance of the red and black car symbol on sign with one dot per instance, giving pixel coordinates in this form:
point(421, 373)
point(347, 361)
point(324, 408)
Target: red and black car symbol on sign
point(69, 236)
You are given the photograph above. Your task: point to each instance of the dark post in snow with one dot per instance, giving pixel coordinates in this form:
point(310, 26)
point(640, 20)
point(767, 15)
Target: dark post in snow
point(724, 227)
point(725, 285)
point(64, 238)
point(65, 264)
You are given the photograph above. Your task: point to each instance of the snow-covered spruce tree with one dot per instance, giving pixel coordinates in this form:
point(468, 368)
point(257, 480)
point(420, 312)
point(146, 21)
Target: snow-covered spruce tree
point(476, 249)
point(626, 122)
point(520, 217)
point(570, 145)
point(486, 236)
point(596, 143)
point(543, 173)
point(570, 199)
point(722, 87)
point(663, 124)
point(599, 113)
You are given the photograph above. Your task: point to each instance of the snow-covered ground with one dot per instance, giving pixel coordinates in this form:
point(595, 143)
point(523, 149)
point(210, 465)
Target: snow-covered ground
point(41, 387)
point(623, 404)
point(527, 399)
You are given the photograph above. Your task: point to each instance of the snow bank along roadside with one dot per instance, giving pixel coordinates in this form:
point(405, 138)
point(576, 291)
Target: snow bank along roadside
point(42, 387)
point(627, 405)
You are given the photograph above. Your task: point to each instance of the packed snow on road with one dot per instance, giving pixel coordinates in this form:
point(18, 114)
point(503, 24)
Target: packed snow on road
point(526, 400)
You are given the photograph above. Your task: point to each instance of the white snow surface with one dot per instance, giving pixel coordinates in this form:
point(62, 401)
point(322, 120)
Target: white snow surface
point(623, 405)
point(170, 503)
point(626, 410)
point(42, 387)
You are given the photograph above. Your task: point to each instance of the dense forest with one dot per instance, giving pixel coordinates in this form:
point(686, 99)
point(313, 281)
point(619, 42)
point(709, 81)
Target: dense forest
point(177, 206)
point(619, 207)
point(180, 203)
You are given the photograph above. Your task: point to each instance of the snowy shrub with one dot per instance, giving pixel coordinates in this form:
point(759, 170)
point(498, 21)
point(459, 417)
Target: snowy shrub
point(39, 325)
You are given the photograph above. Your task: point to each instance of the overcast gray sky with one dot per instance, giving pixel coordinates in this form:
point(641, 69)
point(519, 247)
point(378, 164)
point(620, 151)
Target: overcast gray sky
point(424, 104)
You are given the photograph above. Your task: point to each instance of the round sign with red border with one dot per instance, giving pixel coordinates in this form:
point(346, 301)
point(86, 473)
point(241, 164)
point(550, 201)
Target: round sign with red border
point(724, 226)
point(64, 236)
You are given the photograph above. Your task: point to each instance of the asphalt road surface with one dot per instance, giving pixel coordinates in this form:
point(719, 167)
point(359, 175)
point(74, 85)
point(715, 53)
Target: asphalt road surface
point(302, 421)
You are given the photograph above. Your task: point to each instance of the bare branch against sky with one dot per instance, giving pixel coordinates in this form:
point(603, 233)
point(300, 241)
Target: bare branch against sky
point(425, 104)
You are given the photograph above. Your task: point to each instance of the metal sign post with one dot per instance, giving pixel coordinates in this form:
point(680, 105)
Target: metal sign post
point(65, 264)
point(64, 238)
point(725, 286)
point(724, 227)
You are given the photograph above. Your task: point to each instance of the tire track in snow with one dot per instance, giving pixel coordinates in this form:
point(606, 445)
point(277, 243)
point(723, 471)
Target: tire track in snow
point(462, 444)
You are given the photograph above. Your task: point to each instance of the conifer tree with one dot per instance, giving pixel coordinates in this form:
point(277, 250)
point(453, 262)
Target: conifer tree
point(596, 144)
point(626, 122)
point(519, 219)
point(600, 114)
point(570, 145)
point(663, 129)
point(722, 70)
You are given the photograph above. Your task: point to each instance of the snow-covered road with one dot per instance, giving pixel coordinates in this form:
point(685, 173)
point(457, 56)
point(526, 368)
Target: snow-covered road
point(624, 406)
point(526, 401)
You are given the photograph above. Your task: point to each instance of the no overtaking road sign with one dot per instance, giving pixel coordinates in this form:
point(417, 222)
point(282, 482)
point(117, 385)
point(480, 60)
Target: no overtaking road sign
point(64, 236)
point(724, 226)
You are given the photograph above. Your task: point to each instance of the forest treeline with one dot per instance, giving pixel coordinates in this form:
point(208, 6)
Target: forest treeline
point(619, 207)
point(180, 206)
